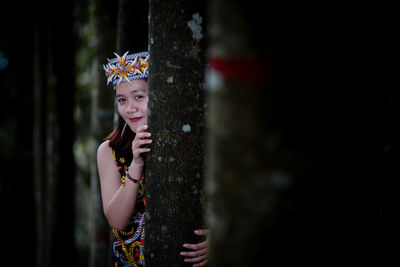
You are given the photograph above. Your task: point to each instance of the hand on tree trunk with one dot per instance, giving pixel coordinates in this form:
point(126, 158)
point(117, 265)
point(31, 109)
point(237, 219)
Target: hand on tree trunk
point(199, 255)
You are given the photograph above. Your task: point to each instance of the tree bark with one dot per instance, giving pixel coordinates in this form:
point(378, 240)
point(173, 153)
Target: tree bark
point(175, 165)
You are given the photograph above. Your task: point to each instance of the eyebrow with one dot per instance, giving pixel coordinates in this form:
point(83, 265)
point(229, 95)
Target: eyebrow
point(134, 91)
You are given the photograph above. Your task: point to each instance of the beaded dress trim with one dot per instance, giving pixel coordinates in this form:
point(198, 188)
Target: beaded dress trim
point(128, 245)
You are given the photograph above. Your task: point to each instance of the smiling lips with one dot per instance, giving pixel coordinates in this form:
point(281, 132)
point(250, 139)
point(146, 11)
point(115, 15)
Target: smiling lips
point(136, 119)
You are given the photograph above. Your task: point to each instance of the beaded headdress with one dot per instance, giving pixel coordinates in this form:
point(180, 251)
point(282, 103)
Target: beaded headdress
point(127, 68)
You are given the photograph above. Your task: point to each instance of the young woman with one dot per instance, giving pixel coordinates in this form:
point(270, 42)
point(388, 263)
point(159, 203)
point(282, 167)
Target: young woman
point(121, 165)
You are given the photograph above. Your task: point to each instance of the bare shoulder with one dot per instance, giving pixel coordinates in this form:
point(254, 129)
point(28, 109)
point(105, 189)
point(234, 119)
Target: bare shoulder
point(104, 151)
point(104, 147)
point(109, 175)
point(105, 160)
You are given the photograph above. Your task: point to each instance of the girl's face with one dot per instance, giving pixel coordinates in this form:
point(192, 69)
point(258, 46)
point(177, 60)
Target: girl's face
point(132, 102)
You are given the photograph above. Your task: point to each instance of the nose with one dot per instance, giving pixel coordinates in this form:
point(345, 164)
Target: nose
point(131, 108)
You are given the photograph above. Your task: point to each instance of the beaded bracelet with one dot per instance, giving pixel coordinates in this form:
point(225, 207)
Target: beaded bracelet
point(136, 181)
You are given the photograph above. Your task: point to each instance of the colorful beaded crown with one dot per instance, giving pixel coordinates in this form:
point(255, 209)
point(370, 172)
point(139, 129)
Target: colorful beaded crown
point(127, 68)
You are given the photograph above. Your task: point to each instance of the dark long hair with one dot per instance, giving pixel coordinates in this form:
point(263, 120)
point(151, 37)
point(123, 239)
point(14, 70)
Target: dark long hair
point(119, 140)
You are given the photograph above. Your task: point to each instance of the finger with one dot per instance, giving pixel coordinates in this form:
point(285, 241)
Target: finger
point(197, 259)
point(196, 253)
point(143, 142)
point(200, 264)
point(202, 232)
point(197, 246)
point(139, 151)
point(142, 135)
point(142, 128)
point(138, 143)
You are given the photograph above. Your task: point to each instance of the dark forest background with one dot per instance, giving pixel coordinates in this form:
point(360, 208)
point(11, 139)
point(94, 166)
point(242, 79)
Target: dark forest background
point(344, 53)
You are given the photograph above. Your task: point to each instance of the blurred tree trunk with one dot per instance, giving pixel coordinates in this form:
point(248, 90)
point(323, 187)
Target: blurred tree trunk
point(105, 24)
point(38, 153)
point(176, 106)
point(258, 138)
point(53, 135)
point(244, 176)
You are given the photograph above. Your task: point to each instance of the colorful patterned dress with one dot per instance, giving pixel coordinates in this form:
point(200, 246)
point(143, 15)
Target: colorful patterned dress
point(128, 245)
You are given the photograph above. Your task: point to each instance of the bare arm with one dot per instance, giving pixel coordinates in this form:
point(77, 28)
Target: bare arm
point(118, 201)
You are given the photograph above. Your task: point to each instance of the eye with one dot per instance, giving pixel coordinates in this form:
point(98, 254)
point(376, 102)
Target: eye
point(139, 97)
point(121, 100)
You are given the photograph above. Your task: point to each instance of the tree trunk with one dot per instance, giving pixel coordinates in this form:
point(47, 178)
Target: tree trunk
point(105, 24)
point(260, 137)
point(38, 155)
point(175, 165)
point(53, 135)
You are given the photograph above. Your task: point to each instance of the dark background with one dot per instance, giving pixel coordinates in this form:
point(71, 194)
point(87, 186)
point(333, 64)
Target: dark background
point(16, 183)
